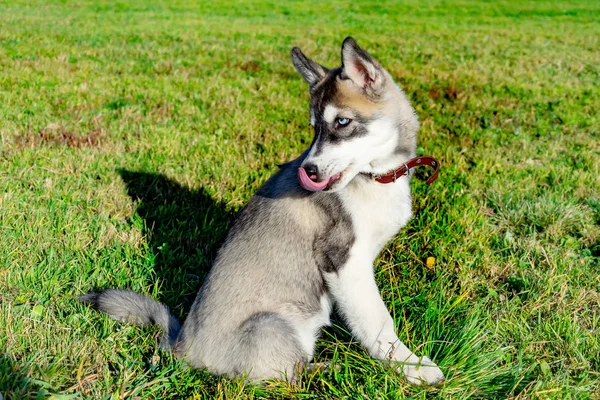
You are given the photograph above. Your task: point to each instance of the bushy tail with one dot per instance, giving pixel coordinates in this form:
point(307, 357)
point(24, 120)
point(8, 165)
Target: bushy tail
point(128, 306)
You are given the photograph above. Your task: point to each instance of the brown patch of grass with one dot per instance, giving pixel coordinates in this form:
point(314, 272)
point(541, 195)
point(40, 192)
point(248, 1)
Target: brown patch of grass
point(250, 66)
point(450, 93)
point(57, 135)
point(434, 93)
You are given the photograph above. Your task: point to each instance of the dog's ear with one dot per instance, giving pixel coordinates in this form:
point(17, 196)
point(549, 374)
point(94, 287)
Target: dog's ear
point(310, 70)
point(361, 68)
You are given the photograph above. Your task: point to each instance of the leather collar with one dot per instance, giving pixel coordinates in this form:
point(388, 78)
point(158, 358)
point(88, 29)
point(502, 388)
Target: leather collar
point(407, 166)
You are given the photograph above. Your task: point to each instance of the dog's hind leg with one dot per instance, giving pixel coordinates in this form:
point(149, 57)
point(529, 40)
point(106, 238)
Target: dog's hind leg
point(267, 346)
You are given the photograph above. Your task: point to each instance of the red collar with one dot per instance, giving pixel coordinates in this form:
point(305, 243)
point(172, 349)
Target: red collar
point(407, 166)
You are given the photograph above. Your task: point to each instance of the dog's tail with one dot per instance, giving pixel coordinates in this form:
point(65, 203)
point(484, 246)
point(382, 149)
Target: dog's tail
point(128, 306)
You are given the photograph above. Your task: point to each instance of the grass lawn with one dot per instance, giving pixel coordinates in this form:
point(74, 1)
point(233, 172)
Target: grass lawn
point(132, 132)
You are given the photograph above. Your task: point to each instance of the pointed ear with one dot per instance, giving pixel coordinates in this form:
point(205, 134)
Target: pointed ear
point(361, 68)
point(310, 70)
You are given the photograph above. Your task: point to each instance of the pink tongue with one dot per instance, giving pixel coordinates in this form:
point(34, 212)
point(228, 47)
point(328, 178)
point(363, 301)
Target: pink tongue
point(309, 184)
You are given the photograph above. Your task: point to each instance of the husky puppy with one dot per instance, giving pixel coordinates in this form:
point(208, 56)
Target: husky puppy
point(306, 241)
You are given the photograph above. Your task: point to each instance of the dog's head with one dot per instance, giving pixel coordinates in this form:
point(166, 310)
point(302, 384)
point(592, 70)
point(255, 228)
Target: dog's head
point(363, 121)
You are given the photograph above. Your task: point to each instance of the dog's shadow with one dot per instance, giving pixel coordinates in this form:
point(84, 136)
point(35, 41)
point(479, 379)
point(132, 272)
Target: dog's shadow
point(184, 229)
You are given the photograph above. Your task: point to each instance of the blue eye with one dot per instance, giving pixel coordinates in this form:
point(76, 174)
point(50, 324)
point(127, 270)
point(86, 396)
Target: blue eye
point(343, 121)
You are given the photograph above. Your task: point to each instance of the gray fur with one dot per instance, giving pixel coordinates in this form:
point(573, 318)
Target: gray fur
point(307, 68)
point(270, 245)
point(128, 306)
point(332, 246)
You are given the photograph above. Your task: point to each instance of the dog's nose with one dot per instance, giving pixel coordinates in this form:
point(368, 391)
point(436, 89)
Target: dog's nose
point(312, 171)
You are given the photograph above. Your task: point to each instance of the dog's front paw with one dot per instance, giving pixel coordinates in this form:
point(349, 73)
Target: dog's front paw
point(426, 372)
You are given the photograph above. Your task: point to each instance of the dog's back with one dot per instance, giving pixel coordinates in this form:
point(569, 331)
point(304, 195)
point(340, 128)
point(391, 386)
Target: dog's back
point(265, 283)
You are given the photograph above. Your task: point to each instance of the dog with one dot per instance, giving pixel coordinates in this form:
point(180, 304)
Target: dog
point(306, 241)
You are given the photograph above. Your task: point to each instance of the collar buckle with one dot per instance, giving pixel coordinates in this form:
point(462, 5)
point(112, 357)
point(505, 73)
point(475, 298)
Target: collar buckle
point(406, 169)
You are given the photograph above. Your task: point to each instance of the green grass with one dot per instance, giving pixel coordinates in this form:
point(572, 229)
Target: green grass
point(132, 132)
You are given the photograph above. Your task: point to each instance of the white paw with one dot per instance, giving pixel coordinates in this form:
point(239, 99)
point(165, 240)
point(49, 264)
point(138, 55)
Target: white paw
point(425, 372)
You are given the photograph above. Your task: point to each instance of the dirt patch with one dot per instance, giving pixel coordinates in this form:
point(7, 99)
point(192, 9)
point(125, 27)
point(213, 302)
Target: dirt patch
point(57, 135)
point(250, 66)
point(451, 93)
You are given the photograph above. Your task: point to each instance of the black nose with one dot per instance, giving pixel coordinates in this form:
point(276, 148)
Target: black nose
point(312, 171)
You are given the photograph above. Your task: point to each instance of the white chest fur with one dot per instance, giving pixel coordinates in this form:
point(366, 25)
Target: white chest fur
point(378, 211)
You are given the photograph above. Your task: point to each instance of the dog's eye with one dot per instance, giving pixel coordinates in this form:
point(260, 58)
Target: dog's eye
point(342, 122)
